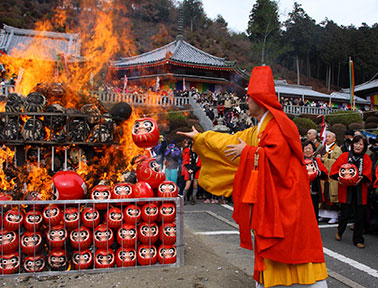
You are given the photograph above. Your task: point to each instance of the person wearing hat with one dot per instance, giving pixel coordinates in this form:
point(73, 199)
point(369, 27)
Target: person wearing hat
point(263, 168)
point(172, 156)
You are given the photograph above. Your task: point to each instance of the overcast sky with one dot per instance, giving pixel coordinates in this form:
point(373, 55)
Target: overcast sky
point(343, 12)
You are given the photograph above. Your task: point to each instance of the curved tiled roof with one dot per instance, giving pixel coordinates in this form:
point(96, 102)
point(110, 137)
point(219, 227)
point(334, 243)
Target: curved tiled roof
point(176, 51)
point(16, 42)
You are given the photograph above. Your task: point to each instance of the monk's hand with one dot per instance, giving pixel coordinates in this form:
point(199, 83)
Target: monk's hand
point(235, 150)
point(190, 134)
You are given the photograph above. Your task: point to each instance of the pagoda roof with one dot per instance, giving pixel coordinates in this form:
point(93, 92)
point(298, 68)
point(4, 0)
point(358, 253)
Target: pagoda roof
point(176, 52)
point(16, 42)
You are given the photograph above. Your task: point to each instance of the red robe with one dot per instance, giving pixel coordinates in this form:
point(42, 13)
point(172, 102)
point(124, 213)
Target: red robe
point(366, 172)
point(283, 220)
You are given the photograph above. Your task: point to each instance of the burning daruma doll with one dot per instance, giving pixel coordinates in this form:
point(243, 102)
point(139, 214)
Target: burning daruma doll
point(145, 133)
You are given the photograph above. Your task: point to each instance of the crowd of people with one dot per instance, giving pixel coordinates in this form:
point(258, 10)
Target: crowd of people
point(182, 166)
point(341, 192)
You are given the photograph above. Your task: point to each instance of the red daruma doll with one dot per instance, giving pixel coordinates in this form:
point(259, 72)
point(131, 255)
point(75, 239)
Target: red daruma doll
point(114, 217)
point(126, 257)
point(348, 174)
point(122, 191)
point(56, 236)
point(104, 258)
point(167, 254)
point(81, 238)
point(103, 236)
point(82, 259)
point(8, 241)
point(167, 189)
point(145, 133)
point(31, 242)
point(132, 214)
point(10, 263)
point(13, 219)
point(148, 233)
point(101, 192)
point(33, 220)
point(127, 235)
point(311, 169)
point(168, 233)
point(71, 218)
point(34, 264)
point(147, 254)
point(149, 171)
point(52, 215)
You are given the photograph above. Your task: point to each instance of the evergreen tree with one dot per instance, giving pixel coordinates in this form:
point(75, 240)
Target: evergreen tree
point(299, 34)
point(264, 28)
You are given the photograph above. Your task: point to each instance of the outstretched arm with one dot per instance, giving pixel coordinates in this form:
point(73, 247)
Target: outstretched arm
point(190, 134)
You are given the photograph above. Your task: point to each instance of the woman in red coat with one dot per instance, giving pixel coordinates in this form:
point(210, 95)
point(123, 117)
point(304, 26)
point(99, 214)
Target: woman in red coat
point(319, 170)
point(354, 197)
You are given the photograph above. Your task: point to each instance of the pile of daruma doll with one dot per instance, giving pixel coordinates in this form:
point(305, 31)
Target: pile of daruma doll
point(60, 237)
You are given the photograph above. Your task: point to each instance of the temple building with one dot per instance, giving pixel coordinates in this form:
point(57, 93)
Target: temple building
point(179, 65)
point(41, 45)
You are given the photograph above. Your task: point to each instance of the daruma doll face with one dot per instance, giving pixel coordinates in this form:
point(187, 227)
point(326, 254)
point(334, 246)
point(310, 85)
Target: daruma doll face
point(145, 133)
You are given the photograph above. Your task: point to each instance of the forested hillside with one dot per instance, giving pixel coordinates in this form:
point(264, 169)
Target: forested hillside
point(320, 51)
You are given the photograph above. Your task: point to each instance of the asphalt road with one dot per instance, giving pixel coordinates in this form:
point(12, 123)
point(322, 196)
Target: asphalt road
point(348, 266)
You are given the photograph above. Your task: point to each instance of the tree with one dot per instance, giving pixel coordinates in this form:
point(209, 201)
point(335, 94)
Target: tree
point(299, 33)
point(263, 26)
point(194, 15)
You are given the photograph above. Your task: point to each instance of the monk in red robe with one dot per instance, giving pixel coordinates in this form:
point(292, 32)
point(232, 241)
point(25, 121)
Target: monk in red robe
point(263, 168)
